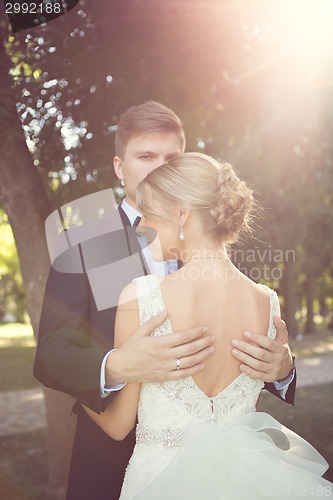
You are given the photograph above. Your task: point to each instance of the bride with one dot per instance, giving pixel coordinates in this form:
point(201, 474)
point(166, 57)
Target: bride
point(200, 437)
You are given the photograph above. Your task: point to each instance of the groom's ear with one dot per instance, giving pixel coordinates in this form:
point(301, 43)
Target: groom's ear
point(118, 167)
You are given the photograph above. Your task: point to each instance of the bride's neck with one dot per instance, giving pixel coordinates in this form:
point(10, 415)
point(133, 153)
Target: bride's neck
point(204, 252)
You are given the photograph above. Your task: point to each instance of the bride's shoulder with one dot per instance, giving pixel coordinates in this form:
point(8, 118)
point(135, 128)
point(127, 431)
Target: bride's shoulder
point(256, 289)
point(128, 294)
point(146, 282)
point(266, 289)
point(136, 287)
point(142, 286)
point(273, 298)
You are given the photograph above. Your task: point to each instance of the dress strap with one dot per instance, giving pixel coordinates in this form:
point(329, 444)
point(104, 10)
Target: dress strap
point(274, 309)
point(150, 301)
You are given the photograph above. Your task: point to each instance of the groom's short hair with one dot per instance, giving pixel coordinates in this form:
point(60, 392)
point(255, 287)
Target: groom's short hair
point(148, 118)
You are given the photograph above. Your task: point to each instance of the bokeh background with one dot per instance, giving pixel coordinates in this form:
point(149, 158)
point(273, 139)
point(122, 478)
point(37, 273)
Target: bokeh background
point(253, 84)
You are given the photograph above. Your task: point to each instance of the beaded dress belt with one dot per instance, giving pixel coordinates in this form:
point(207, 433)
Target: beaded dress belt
point(167, 437)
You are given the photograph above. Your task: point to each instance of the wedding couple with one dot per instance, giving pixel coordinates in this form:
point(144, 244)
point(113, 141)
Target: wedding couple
point(198, 435)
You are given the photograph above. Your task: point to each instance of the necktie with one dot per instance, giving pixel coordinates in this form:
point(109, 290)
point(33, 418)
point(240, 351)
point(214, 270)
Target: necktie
point(143, 244)
point(137, 221)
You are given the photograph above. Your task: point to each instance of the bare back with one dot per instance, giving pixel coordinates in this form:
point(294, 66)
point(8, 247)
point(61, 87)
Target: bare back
point(224, 300)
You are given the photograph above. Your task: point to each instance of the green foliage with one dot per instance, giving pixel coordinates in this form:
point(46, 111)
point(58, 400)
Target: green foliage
point(17, 352)
point(12, 298)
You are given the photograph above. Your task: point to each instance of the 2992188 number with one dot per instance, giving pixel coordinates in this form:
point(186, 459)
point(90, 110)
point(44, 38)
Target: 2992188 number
point(309, 491)
point(316, 491)
point(33, 8)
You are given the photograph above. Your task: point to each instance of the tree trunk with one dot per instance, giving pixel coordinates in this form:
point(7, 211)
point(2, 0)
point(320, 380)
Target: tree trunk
point(24, 200)
point(309, 290)
point(323, 309)
point(289, 293)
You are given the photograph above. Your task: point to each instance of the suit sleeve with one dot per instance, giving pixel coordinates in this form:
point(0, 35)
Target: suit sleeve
point(290, 394)
point(67, 358)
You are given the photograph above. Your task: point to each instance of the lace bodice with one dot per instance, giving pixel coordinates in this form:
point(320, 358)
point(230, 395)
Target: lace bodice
point(167, 409)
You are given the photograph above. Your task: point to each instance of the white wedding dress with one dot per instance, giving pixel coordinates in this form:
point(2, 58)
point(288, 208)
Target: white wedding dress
point(192, 447)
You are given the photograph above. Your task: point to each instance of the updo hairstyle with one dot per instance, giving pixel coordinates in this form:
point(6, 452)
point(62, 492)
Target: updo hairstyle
point(198, 182)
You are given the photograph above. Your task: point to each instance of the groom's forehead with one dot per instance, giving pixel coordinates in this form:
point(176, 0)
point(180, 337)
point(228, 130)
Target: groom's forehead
point(155, 142)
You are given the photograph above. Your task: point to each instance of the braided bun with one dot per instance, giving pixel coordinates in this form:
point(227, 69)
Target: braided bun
point(232, 204)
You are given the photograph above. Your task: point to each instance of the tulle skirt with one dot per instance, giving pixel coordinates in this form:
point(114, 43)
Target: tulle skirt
point(253, 456)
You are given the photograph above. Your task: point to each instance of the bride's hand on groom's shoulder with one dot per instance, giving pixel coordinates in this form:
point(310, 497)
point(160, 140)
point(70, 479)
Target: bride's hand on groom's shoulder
point(264, 358)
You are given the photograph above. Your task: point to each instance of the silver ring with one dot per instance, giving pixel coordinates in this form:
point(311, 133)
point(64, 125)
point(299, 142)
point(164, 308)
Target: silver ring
point(178, 364)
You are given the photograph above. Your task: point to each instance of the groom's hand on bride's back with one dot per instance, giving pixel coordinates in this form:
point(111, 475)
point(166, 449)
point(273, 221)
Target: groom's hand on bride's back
point(263, 358)
point(145, 358)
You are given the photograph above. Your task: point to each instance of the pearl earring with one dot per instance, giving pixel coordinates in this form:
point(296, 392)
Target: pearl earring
point(181, 231)
point(122, 183)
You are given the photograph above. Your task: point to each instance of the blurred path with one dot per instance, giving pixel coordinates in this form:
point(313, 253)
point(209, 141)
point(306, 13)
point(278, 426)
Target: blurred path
point(24, 411)
point(314, 370)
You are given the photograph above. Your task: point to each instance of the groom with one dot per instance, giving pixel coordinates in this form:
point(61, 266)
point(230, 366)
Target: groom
point(75, 344)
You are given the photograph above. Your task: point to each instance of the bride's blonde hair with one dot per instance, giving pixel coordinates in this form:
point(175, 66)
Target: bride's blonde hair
point(198, 182)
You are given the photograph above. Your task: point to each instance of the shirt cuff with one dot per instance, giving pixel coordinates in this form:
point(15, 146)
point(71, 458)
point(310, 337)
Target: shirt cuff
point(282, 385)
point(105, 391)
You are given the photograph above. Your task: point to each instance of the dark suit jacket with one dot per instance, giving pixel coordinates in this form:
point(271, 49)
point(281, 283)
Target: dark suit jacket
point(91, 267)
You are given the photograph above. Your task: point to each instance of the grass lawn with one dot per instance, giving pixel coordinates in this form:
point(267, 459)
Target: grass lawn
point(17, 352)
